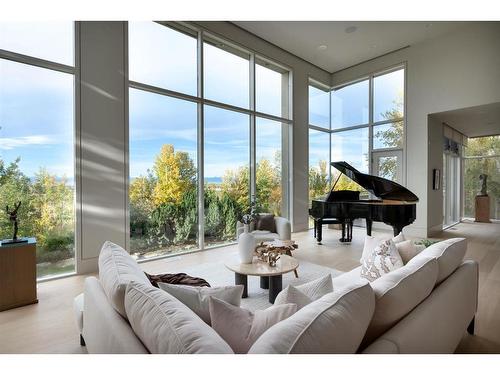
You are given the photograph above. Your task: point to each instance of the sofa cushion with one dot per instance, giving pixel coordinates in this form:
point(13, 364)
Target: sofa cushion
point(335, 323)
point(303, 294)
point(197, 298)
point(398, 292)
point(407, 250)
point(449, 254)
point(166, 326)
point(116, 269)
point(239, 327)
point(383, 259)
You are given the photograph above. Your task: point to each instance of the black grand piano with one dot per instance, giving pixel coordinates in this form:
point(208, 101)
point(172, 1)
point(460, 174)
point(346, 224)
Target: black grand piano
point(396, 205)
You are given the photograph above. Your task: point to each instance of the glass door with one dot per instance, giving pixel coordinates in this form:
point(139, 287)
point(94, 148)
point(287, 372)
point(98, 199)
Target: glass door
point(451, 189)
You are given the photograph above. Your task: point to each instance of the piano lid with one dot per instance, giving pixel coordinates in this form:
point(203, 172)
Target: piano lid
point(378, 186)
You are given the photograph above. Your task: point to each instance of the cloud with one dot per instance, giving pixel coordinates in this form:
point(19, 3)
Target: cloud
point(15, 142)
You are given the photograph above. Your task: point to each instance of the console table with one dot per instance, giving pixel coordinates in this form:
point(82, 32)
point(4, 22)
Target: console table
point(17, 274)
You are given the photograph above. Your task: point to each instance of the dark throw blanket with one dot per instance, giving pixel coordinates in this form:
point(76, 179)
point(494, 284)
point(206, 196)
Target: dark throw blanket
point(176, 278)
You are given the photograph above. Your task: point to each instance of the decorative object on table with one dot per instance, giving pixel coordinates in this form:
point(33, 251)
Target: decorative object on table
point(176, 278)
point(482, 204)
point(272, 258)
point(265, 249)
point(13, 219)
point(436, 179)
point(246, 240)
point(17, 274)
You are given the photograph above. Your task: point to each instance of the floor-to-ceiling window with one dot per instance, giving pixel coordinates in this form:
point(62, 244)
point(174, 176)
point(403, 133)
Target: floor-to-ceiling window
point(209, 127)
point(37, 139)
point(363, 124)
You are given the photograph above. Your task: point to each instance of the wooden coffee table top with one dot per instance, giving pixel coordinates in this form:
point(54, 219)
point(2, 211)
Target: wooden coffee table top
point(284, 264)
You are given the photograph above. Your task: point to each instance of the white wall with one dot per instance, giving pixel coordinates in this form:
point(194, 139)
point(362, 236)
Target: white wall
point(457, 70)
point(435, 161)
point(102, 96)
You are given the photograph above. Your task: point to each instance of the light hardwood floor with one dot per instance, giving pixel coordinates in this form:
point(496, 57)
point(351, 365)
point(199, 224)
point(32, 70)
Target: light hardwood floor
point(49, 326)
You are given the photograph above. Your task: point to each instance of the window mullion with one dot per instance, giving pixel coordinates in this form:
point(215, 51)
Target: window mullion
point(201, 144)
point(253, 131)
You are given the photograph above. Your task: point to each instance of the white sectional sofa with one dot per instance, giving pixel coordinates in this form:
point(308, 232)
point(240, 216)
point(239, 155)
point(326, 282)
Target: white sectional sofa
point(423, 307)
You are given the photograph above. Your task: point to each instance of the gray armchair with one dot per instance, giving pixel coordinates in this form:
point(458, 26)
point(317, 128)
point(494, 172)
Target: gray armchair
point(283, 230)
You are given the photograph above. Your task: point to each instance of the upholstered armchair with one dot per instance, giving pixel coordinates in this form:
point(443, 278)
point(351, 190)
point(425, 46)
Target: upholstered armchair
point(283, 230)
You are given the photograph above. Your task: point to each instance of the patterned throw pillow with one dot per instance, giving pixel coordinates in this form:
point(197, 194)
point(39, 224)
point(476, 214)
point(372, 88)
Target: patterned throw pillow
point(384, 259)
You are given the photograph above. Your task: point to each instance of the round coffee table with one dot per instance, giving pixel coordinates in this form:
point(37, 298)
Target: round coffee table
point(270, 277)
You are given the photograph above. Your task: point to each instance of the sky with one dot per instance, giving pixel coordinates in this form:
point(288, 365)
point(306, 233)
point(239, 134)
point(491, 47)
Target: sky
point(36, 104)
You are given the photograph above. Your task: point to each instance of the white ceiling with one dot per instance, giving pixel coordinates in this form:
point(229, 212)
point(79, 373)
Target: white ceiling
point(347, 43)
point(479, 121)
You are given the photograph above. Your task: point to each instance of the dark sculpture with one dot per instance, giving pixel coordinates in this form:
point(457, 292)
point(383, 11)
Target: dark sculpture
point(483, 178)
point(13, 219)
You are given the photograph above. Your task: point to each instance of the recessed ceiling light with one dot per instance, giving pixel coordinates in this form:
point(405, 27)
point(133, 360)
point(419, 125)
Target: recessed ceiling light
point(374, 46)
point(350, 29)
point(322, 47)
point(428, 25)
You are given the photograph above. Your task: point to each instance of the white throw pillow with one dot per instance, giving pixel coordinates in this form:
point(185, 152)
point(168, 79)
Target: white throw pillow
point(303, 294)
point(335, 323)
point(197, 298)
point(166, 326)
point(384, 259)
point(407, 250)
point(449, 254)
point(239, 327)
point(399, 292)
point(116, 269)
point(292, 295)
point(372, 242)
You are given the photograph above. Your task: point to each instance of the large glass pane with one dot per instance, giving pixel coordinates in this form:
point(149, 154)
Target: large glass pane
point(388, 135)
point(388, 96)
point(483, 146)
point(163, 57)
point(226, 74)
point(36, 161)
point(319, 163)
point(48, 40)
point(350, 105)
point(269, 166)
point(163, 183)
point(226, 170)
point(270, 90)
point(319, 107)
point(352, 147)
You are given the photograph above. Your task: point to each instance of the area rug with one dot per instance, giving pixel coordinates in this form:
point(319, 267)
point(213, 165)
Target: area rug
point(218, 275)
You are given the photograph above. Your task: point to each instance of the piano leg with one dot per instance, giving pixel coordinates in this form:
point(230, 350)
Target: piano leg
point(314, 230)
point(319, 230)
point(369, 227)
point(397, 229)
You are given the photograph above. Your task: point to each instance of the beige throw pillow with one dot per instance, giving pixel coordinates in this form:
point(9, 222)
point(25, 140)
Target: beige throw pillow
point(239, 327)
point(384, 259)
point(197, 298)
point(407, 250)
point(166, 326)
point(304, 294)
